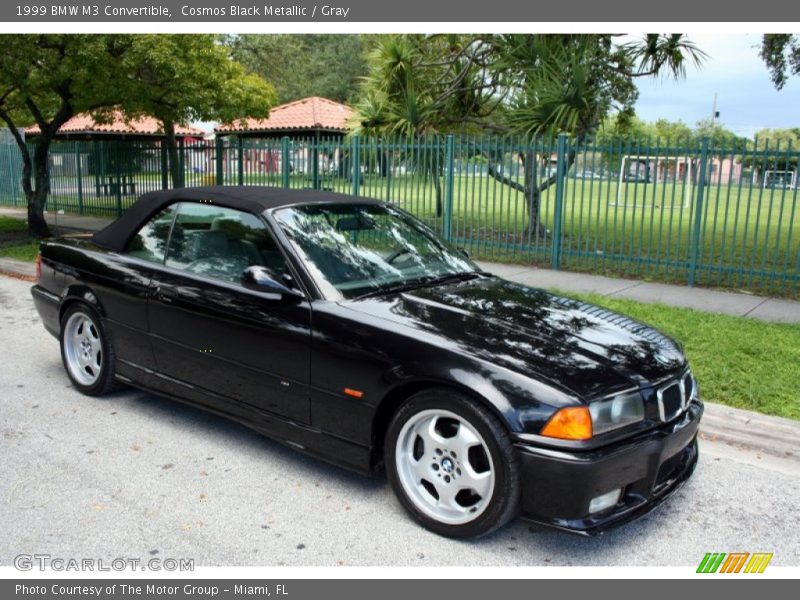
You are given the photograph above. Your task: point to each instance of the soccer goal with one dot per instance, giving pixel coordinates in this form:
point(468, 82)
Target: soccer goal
point(637, 169)
point(780, 180)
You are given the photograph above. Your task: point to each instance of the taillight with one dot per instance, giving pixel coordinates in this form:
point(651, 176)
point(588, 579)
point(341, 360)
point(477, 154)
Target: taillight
point(39, 266)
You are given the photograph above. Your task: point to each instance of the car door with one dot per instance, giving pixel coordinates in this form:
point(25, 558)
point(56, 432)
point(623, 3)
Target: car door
point(121, 281)
point(216, 339)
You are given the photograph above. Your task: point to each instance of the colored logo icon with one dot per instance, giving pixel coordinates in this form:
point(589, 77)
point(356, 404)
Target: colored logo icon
point(734, 562)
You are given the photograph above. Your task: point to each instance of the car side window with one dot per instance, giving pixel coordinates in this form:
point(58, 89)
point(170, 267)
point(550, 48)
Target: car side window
point(220, 242)
point(150, 242)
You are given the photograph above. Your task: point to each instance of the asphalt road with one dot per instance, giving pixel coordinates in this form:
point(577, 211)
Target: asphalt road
point(135, 475)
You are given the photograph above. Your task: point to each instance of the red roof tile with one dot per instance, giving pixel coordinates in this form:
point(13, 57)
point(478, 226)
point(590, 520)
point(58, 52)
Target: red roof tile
point(84, 123)
point(309, 113)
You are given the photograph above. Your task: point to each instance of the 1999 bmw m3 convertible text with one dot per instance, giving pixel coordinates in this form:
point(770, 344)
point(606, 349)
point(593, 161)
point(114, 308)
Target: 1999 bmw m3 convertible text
point(345, 328)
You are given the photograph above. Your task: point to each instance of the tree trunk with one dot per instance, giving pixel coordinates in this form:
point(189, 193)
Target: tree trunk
point(174, 166)
point(383, 163)
point(37, 169)
point(533, 195)
point(532, 189)
point(437, 184)
point(435, 173)
point(37, 197)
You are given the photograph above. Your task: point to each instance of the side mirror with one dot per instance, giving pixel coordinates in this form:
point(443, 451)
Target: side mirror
point(463, 252)
point(261, 279)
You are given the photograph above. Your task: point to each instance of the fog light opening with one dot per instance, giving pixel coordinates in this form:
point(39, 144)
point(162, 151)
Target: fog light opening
point(605, 501)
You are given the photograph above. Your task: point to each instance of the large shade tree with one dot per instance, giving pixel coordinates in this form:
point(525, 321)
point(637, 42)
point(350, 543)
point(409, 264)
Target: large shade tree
point(525, 84)
point(47, 79)
point(183, 78)
point(327, 65)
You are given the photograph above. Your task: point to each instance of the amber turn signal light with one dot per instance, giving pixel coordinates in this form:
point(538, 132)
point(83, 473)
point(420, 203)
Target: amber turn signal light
point(571, 423)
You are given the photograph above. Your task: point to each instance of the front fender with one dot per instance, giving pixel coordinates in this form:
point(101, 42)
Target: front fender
point(522, 403)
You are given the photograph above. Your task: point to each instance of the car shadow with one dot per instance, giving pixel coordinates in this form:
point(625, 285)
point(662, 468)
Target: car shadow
point(245, 439)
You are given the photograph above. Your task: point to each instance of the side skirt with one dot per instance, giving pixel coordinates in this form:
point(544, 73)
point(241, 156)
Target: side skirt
point(301, 437)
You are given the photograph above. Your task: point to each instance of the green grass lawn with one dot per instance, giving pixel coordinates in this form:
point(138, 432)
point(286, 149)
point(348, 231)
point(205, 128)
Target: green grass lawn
point(26, 251)
point(8, 224)
point(14, 241)
point(739, 362)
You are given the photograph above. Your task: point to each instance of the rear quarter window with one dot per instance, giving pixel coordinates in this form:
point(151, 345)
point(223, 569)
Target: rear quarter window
point(150, 242)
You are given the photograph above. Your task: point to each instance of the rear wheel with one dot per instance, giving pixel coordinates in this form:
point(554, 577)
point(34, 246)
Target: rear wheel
point(86, 351)
point(452, 465)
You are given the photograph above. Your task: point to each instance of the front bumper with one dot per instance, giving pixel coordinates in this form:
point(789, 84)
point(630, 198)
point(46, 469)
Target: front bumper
point(558, 485)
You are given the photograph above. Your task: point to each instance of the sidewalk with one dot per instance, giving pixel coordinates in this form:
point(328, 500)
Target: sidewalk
point(737, 304)
point(730, 303)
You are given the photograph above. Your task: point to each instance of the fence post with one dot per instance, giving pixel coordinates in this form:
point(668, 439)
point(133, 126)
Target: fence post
point(315, 183)
point(117, 146)
point(386, 155)
point(558, 209)
point(240, 155)
point(164, 166)
point(80, 176)
point(219, 144)
point(355, 151)
point(698, 212)
point(286, 163)
point(447, 220)
point(182, 162)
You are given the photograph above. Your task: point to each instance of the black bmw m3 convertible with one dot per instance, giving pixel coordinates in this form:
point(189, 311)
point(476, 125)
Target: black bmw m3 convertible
point(347, 329)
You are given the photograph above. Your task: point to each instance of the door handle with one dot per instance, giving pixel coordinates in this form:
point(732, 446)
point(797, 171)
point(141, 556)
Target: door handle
point(166, 295)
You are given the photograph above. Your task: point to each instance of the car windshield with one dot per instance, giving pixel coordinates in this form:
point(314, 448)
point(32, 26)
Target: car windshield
point(353, 250)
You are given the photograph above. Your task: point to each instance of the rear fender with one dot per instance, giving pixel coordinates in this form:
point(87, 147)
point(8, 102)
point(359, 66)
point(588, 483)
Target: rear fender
point(80, 293)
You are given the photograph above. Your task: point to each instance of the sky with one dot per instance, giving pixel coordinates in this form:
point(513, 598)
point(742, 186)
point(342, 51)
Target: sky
point(746, 98)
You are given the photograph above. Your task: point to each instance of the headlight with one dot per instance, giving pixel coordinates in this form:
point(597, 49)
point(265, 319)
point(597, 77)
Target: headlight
point(616, 412)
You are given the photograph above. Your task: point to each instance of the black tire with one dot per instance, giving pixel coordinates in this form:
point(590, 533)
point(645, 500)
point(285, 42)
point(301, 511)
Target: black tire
point(503, 503)
point(105, 381)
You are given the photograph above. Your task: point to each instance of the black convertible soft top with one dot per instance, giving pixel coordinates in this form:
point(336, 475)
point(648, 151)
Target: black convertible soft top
point(253, 199)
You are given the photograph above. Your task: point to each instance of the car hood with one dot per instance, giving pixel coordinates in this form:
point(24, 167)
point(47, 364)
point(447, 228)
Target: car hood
point(582, 348)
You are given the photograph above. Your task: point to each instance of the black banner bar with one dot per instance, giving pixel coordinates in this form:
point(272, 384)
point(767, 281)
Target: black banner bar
point(397, 589)
point(439, 11)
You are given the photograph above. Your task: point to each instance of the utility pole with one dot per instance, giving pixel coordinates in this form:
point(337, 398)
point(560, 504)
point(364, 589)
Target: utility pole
point(714, 112)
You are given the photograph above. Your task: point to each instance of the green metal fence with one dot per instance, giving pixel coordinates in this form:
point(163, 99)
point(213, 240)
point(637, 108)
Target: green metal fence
point(697, 213)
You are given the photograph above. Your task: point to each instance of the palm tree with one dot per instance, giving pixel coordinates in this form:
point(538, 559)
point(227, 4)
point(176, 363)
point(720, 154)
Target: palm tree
point(532, 86)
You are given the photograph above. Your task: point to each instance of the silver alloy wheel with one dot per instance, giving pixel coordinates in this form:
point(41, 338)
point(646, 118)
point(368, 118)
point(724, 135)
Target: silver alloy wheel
point(83, 349)
point(444, 466)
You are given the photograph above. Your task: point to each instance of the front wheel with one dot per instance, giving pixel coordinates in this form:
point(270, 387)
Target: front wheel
point(86, 351)
point(452, 465)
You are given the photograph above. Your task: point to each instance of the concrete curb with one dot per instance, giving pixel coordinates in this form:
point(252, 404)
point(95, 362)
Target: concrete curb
point(17, 269)
point(747, 430)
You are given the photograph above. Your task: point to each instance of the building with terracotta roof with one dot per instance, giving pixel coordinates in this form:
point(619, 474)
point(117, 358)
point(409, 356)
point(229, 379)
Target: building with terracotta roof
point(109, 156)
point(308, 117)
point(312, 118)
point(85, 127)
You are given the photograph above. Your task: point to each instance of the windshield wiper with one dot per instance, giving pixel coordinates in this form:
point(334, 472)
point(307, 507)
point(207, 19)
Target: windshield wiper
point(462, 276)
point(420, 282)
